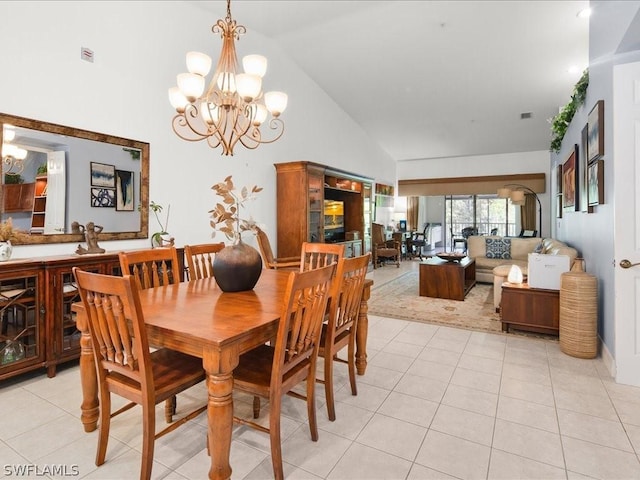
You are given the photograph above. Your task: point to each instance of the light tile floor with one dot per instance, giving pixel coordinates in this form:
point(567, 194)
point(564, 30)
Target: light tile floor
point(435, 402)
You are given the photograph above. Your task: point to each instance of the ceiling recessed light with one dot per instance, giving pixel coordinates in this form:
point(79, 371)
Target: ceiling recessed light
point(573, 69)
point(586, 13)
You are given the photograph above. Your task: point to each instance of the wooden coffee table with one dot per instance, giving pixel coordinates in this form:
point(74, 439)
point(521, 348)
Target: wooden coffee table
point(442, 279)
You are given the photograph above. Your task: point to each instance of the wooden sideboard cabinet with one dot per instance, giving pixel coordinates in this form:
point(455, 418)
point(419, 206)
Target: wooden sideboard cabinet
point(532, 309)
point(63, 338)
point(36, 296)
point(22, 318)
point(303, 188)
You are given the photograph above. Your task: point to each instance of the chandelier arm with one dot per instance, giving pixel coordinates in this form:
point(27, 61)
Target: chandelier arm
point(10, 162)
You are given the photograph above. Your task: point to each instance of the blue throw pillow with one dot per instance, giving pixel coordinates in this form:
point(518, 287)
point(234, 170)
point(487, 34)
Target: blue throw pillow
point(498, 248)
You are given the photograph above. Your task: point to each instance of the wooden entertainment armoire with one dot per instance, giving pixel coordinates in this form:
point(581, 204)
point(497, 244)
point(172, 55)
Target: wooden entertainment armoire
point(305, 191)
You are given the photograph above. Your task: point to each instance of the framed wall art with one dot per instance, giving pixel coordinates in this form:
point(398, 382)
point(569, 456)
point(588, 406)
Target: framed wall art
point(583, 170)
point(124, 190)
point(103, 197)
point(595, 123)
point(596, 182)
point(559, 180)
point(103, 175)
point(570, 187)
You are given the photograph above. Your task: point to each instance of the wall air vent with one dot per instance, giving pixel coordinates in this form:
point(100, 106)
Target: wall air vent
point(526, 115)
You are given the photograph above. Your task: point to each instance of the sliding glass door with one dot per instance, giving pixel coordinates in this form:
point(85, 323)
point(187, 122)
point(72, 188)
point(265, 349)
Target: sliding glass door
point(486, 213)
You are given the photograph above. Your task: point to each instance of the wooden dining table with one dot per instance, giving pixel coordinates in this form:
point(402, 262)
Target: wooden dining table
point(197, 318)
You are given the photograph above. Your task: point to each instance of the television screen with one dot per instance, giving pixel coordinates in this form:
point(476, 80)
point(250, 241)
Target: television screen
point(333, 221)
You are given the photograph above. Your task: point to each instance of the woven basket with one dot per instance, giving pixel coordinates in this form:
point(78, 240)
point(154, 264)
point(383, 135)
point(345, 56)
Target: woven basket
point(579, 314)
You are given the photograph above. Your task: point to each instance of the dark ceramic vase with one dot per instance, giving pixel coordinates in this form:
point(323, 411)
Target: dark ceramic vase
point(237, 268)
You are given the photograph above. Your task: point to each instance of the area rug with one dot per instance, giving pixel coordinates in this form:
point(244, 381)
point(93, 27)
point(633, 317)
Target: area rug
point(399, 299)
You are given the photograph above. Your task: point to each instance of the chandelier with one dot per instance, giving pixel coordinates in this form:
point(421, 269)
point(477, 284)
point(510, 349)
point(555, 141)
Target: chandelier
point(12, 155)
point(233, 108)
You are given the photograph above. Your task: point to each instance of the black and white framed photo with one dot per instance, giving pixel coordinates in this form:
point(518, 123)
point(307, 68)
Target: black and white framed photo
point(103, 197)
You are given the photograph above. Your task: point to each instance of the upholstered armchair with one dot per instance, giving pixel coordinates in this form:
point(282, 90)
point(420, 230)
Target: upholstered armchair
point(384, 250)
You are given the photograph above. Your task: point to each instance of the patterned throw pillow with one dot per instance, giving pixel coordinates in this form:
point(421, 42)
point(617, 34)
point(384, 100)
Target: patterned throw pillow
point(498, 248)
point(538, 248)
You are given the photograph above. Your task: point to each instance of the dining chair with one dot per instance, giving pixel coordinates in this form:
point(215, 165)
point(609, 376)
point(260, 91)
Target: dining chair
point(152, 268)
point(273, 371)
point(200, 259)
point(270, 261)
point(124, 363)
point(315, 255)
point(340, 329)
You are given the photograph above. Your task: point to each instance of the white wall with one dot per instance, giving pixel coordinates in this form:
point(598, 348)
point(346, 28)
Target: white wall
point(481, 165)
point(139, 48)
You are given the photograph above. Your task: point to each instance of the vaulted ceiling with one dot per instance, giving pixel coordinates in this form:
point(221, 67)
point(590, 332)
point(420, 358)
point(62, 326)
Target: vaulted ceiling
point(433, 79)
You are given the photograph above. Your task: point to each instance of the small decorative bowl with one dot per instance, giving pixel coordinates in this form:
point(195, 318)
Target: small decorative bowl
point(451, 256)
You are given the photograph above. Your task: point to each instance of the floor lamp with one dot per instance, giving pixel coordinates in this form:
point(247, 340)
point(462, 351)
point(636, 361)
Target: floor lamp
point(517, 198)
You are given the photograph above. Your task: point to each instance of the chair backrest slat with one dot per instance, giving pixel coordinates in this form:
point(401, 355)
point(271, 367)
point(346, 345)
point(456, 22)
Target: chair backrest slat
point(151, 268)
point(265, 248)
point(301, 319)
point(116, 324)
point(200, 259)
point(346, 294)
point(318, 255)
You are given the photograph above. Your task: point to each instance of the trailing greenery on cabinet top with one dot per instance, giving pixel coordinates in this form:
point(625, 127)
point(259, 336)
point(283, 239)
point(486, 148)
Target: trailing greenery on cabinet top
point(561, 121)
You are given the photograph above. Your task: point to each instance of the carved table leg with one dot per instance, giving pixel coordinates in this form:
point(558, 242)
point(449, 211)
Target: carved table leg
point(90, 406)
point(219, 367)
point(362, 329)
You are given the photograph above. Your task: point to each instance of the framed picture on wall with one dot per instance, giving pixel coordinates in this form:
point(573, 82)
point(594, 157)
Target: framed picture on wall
point(124, 191)
point(559, 179)
point(595, 146)
point(103, 175)
point(570, 181)
point(583, 171)
point(596, 182)
point(103, 197)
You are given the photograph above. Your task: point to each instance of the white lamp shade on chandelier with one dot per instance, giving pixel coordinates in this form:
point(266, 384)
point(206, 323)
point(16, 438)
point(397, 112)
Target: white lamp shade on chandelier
point(233, 107)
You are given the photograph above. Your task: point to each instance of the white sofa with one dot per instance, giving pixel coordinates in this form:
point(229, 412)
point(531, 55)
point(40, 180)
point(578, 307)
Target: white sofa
point(519, 253)
point(519, 250)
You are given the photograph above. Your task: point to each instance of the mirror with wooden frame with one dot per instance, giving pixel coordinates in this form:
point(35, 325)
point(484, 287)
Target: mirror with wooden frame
point(56, 179)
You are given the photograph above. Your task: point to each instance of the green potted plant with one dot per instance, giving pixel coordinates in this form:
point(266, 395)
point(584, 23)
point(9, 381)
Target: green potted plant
point(161, 238)
point(238, 266)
